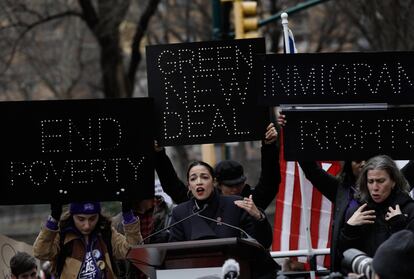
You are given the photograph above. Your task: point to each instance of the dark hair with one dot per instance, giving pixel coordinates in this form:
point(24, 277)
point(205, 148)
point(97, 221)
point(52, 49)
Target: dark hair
point(200, 163)
point(380, 162)
point(21, 263)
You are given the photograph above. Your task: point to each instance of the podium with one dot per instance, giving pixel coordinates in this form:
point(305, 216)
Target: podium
point(250, 255)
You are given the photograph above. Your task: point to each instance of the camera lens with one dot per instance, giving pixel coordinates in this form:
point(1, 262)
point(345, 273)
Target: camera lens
point(358, 262)
point(362, 265)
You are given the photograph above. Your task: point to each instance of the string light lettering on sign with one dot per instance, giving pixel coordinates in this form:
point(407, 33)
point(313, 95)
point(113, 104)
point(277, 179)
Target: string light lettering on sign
point(205, 92)
point(77, 150)
point(337, 78)
point(346, 135)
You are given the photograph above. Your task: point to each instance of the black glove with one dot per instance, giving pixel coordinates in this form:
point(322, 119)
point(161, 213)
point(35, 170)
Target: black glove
point(126, 206)
point(56, 211)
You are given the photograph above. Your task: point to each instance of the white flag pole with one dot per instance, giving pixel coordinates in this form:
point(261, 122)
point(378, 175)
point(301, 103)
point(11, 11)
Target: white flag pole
point(305, 214)
point(284, 17)
point(305, 218)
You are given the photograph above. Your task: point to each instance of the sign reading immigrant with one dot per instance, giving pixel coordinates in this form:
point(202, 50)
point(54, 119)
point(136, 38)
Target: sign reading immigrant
point(76, 150)
point(349, 135)
point(205, 92)
point(325, 78)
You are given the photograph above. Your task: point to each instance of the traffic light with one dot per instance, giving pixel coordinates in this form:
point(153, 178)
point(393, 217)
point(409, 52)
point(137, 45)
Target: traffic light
point(245, 19)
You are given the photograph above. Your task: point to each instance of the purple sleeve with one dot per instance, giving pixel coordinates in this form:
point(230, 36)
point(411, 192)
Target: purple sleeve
point(129, 217)
point(52, 224)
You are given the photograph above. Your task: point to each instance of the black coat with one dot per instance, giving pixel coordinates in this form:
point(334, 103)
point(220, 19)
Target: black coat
point(369, 237)
point(267, 187)
point(339, 193)
point(219, 208)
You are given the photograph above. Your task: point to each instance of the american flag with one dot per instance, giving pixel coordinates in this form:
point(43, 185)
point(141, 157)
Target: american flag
point(289, 231)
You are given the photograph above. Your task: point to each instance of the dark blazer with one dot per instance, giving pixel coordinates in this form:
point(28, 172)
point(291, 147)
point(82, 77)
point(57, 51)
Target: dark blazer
point(263, 193)
point(221, 208)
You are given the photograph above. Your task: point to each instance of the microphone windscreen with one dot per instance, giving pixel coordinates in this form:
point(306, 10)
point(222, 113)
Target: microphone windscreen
point(230, 266)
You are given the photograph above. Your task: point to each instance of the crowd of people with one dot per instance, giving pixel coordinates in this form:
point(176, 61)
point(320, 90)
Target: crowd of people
point(370, 197)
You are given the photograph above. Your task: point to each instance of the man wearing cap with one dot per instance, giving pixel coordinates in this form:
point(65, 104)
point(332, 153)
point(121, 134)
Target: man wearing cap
point(83, 244)
point(394, 258)
point(232, 181)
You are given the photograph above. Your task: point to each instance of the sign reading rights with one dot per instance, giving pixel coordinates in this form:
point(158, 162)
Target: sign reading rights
point(205, 92)
point(381, 77)
point(349, 135)
point(76, 150)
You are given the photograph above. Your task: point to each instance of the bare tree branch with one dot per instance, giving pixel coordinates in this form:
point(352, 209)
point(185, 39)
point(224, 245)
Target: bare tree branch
point(89, 14)
point(28, 28)
point(139, 34)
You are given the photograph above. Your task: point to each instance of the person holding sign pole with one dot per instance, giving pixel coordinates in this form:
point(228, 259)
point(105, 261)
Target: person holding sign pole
point(83, 244)
point(384, 207)
point(212, 215)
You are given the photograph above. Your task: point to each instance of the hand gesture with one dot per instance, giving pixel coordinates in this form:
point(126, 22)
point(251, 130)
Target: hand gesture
point(248, 205)
point(361, 217)
point(392, 212)
point(271, 134)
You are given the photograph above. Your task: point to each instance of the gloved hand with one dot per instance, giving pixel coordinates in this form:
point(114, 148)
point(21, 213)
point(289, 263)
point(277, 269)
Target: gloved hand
point(127, 213)
point(56, 210)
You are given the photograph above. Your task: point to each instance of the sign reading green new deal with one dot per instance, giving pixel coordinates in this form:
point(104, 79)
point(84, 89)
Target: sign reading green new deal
point(205, 92)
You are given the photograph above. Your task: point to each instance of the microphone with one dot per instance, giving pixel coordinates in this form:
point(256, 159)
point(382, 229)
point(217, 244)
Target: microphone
point(230, 270)
point(223, 223)
point(174, 224)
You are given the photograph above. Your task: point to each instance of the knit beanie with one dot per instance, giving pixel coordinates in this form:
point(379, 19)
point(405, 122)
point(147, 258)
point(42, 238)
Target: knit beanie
point(394, 258)
point(85, 208)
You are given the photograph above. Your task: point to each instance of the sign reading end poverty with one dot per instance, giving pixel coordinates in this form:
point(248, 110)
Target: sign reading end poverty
point(204, 92)
point(380, 77)
point(349, 135)
point(76, 150)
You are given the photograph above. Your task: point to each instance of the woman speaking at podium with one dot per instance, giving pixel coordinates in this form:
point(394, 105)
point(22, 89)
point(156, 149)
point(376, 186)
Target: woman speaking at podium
point(209, 215)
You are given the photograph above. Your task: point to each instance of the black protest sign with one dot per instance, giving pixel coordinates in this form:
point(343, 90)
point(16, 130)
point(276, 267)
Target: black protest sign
point(321, 78)
point(349, 135)
point(204, 92)
point(76, 150)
